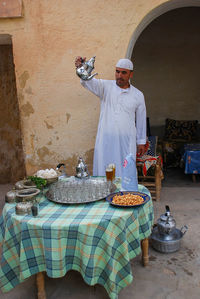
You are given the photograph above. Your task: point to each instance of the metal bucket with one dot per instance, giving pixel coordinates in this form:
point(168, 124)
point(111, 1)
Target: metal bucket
point(168, 243)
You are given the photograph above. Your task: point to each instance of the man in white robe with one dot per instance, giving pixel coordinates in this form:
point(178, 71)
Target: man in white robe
point(122, 122)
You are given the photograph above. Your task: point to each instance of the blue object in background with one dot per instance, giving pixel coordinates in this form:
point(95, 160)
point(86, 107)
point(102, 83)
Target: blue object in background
point(191, 158)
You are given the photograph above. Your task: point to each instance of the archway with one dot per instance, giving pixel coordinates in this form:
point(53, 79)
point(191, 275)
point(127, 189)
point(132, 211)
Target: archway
point(155, 13)
point(166, 58)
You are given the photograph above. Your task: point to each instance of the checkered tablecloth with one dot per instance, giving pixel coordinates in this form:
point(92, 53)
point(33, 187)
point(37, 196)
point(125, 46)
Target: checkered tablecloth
point(96, 239)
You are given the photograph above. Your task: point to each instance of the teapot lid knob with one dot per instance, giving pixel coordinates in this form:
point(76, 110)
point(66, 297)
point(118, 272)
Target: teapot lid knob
point(167, 210)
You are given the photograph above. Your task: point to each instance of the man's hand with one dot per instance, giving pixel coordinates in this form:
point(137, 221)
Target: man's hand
point(140, 150)
point(79, 61)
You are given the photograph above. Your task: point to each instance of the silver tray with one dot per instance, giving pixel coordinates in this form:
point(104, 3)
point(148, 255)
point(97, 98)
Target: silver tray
point(75, 191)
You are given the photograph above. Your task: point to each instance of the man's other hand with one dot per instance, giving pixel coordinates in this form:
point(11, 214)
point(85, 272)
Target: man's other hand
point(140, 150)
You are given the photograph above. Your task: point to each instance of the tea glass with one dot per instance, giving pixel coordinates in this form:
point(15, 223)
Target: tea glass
point(110, 172)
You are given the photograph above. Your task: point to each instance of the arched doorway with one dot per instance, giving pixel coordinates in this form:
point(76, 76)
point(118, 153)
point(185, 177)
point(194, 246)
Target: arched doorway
point(155, 13)
point(166, 59)
point(11, 152)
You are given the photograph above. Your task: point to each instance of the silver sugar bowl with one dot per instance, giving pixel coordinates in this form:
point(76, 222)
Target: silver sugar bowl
point(81, 169)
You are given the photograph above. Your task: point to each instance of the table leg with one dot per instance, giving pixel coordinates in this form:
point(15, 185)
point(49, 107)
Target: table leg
point(40, 285)
point(145, 251)
point(158, 181)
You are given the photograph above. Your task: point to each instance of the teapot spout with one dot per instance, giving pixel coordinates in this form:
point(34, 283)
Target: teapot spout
point(90, 77)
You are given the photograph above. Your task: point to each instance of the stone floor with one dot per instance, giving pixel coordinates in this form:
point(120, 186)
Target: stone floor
point(168, 276)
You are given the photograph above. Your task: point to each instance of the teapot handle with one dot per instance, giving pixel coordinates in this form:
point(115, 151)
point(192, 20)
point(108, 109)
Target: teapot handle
point(167, 208)
point(59, 165)
point(167, 213)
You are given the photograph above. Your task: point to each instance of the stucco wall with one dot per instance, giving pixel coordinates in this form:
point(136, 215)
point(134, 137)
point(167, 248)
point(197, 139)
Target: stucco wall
point(58, 117)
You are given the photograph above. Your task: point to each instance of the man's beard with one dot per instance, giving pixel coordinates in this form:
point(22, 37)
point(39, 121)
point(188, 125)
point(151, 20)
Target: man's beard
point(120, 82)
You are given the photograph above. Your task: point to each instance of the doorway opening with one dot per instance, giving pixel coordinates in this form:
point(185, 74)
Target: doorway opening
point(12, 167)
point(166, 69)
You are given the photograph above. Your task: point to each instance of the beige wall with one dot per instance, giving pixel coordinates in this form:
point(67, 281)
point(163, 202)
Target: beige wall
point(58, 117)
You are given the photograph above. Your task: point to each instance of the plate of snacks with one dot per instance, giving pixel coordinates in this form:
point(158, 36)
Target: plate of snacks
point(128, 199)
point(50, 175)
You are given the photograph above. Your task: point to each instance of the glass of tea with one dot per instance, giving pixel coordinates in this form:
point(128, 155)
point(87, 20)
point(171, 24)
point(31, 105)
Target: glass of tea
point(110, 172)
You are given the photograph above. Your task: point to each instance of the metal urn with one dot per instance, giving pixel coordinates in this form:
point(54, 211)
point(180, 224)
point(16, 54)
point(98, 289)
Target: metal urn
point(85, 71)
point(165, 236)
point(81, 169)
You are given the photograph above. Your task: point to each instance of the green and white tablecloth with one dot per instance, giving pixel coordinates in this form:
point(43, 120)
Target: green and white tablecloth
point(96, 239)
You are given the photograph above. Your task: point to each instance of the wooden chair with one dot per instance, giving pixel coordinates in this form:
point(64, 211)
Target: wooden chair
point(152, 179)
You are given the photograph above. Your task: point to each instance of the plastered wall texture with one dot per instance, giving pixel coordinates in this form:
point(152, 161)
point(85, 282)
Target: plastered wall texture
point(58, 117)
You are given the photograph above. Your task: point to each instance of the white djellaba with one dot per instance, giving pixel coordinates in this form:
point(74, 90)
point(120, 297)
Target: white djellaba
point(122, 121)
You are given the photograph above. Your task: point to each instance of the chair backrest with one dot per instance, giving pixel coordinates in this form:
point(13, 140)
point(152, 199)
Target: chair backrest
point(152, 145)
point(185, 130)
point(148, 127)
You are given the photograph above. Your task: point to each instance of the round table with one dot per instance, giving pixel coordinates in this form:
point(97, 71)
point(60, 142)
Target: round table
point(96, 239)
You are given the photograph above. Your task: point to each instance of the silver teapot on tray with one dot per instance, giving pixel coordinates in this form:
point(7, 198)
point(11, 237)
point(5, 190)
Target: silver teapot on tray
point(85, 71)
point(81, 169)
point(61, 168)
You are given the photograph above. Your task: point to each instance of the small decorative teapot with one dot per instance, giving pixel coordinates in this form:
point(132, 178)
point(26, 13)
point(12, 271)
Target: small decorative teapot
point(61, 168)
point(166, 224)
point(81, 169)
point(84, 72)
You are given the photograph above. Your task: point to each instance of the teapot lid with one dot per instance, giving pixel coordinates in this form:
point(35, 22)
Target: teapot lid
point(80, 161)
point(167, 215)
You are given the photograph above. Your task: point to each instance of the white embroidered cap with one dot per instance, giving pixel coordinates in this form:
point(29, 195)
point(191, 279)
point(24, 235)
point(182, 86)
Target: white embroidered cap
point(125, 64)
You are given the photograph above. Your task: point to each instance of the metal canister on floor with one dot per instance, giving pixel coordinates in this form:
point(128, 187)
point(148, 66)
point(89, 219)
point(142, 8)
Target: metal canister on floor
point(165, 236)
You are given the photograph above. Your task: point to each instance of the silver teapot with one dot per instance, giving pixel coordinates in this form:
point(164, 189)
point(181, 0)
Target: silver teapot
point(61, 168)
point(166, 223)
point(81, 169)
point(84, 72)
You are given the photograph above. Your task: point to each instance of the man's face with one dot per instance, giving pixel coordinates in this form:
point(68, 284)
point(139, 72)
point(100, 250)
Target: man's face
point(122, 77)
